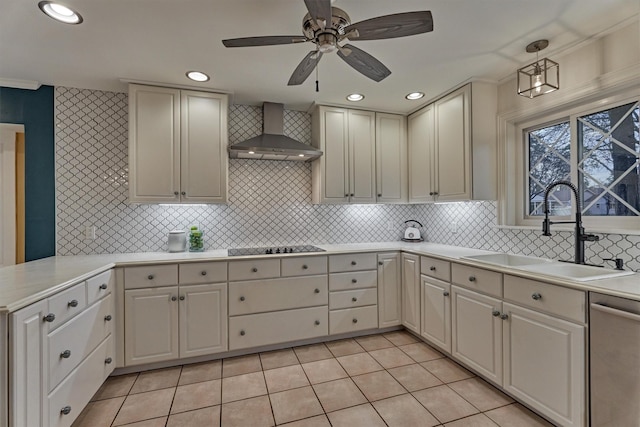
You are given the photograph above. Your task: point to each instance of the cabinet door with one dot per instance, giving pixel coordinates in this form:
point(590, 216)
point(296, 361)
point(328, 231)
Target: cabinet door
point(477, 332)
point(453, 146)
point(203, 142)
point(151, 325)
point(203, 319)
point(362, 156)
point(27, 368)
point(435, 316)
point(331, 171)
point(411, 292)
point(389, 293)
point(544, 364)
point(154, 144)
point(391, 158)
point(420, 146)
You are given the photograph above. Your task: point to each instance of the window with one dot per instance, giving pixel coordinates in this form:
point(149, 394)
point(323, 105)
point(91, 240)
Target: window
point(599, 151)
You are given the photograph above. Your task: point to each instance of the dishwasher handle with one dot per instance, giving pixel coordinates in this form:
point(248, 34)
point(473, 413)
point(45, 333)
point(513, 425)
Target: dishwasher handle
point(615, 312)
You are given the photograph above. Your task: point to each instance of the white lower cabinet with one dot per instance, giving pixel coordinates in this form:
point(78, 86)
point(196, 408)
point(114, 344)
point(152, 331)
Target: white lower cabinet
point(203, 319)
point(544, 364)
point(411, 292)
point(435, 315)
point(389, 290)
point(477, 332)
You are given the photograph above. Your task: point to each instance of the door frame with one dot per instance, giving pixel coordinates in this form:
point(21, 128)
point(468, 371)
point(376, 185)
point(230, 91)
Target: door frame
point(8, 132)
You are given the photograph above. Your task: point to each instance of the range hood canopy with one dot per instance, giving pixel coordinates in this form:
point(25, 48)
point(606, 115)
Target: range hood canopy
point(273, 144)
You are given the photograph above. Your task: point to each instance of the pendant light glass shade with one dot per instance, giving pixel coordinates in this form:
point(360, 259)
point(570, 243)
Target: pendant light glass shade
point(540, 77)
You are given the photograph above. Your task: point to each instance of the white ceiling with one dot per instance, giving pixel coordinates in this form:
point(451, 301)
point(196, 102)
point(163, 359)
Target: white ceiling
point(159, 40)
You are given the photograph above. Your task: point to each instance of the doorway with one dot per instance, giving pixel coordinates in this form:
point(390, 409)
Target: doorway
point(12, 195)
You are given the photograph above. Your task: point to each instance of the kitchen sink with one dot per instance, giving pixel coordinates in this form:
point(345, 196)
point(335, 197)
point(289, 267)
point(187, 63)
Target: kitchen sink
point(577, 272)
point(508, 260)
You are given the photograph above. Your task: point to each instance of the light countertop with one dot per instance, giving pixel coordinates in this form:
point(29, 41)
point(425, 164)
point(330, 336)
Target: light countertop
point(24, 284)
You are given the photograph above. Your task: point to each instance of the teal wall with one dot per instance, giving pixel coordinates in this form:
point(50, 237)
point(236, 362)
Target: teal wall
point(34, 109)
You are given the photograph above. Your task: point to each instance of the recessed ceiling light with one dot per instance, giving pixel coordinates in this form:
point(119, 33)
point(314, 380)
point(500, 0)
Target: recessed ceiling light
point(414, 95)
point(355, 97)
point(60, 12)
point(197, 76)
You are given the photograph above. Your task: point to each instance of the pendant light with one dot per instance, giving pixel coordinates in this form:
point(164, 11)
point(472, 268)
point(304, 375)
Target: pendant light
point(540, 77)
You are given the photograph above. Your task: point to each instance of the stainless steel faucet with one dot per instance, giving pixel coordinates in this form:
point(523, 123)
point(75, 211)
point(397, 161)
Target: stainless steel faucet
point(579, 234)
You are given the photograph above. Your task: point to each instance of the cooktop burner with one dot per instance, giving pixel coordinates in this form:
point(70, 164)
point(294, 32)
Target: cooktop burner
point(274, 250)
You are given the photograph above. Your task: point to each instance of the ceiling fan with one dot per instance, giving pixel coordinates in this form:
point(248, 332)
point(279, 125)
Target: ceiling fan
point(328, 26)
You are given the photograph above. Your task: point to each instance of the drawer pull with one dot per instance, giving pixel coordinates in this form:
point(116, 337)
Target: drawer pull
point(353, 263)
point(72, 303)
point(108, 318)
point(242, 332)
point(495, 313)
point(182, 297)
point(354, 280)
point(150, 277)
point(316, 290)
point(445, 293)
point(317, 322)
point(65, 354)
point(66, 410)
point(103, 286)
point(354, 299)
point(380, 263)
point(173, 298)
point(108, 361)
point(204, 273)
point(255, 270)
point(242, 298)
point(504, 316)
point(432, 268)
point(49, 317)
point(355, 320)
point(536, 296)
point(472, 278)
point(305, 267)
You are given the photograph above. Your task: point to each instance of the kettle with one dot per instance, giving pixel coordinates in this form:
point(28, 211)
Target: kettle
point(412, 234)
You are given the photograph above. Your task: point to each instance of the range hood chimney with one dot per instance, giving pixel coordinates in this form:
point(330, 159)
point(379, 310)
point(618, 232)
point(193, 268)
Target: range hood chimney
point(273, 144)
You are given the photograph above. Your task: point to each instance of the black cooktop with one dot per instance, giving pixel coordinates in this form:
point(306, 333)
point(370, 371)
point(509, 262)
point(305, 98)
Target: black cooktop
point(274, 250)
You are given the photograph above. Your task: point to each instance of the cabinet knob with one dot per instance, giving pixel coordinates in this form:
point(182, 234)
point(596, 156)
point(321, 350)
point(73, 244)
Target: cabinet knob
point(49, 317)
point(173, 298)
point(495, 313)
point(175, 193)
point(536, 296)
point(379, 194)
point(108, 318)
point(353, 263)
point(66, 410)
point(504, 316)
point(355, 320)
point(203, 273)
point(255, 270)
point(380, 263)
point(65, 354)
point(103, 286)
point(108, 361)
point(305, 267)
point(73, 303)
point(182, 297)
point(184, 193)
point(435, 193)
point(241, 298)
point(431, 193)
point(317, 322)
point(472, 278)
point(354, 299)
point(150, 277)
point(445, 293)
point(354, 280)
point(316, 290)
point(351, 195)
point(346, 195)
point(242, 332)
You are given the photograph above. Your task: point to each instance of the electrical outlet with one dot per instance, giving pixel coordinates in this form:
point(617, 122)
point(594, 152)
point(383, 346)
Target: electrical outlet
point(89, 232)
point(453, 227)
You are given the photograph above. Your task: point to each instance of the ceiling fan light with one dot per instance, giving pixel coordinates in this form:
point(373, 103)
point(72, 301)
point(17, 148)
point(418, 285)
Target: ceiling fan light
point(414, 95)
point(197, 76)
point(60, 12)
point(355, 97)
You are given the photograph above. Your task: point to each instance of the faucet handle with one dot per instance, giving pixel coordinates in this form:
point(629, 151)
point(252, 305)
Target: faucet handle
point(590, 238)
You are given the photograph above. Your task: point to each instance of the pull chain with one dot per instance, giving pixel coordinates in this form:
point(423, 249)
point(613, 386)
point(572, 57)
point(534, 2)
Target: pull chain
point(317, 62)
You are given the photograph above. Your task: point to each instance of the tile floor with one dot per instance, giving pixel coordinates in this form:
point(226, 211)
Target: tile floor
point(379, 380)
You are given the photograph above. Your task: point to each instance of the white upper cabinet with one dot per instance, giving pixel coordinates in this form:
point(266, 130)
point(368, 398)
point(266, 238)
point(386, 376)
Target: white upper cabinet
point(391, 158)
point(362, 156)
point(330, 133)
point(177, 146)
point(452, 147)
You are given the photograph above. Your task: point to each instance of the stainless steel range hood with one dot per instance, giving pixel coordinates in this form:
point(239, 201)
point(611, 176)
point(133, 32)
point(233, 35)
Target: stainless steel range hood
point(273, 144)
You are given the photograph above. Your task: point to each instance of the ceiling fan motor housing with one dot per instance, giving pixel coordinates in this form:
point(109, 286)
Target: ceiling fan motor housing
point(327, 38)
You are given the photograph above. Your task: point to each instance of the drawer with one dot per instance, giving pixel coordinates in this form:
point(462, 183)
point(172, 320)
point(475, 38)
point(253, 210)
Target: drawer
point(77, 338)
point(478, 279)
point(151, 276)
point(353, 319)
point(436, 268)
point(278, 327)
point(78, 388)
point(66, 304)
point(277, 294)
point(203, 272)
point(352, 262)
point(355, 280)
point(304, 266)
point(254, 269)
point(100, 286)
point(355, 298)
point(562, 302)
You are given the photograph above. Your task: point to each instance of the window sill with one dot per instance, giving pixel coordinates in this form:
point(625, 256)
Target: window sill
point(588, 229)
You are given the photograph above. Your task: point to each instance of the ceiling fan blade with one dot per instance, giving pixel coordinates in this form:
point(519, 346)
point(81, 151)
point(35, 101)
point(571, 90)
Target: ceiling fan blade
point(320, 10)
point(263, 41)
point(391, 26)
point(364, 63)
point(305, 68)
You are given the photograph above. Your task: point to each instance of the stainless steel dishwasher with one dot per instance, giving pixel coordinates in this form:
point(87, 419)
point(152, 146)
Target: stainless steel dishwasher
point(614, 361)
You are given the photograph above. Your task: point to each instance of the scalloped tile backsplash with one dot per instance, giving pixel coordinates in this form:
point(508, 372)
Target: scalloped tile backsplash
point(269, 202)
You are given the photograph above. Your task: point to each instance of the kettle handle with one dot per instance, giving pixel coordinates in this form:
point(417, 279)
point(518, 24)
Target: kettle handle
point(413, 220)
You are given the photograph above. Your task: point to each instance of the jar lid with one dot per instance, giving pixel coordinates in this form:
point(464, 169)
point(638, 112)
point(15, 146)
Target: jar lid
point(177, 232)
